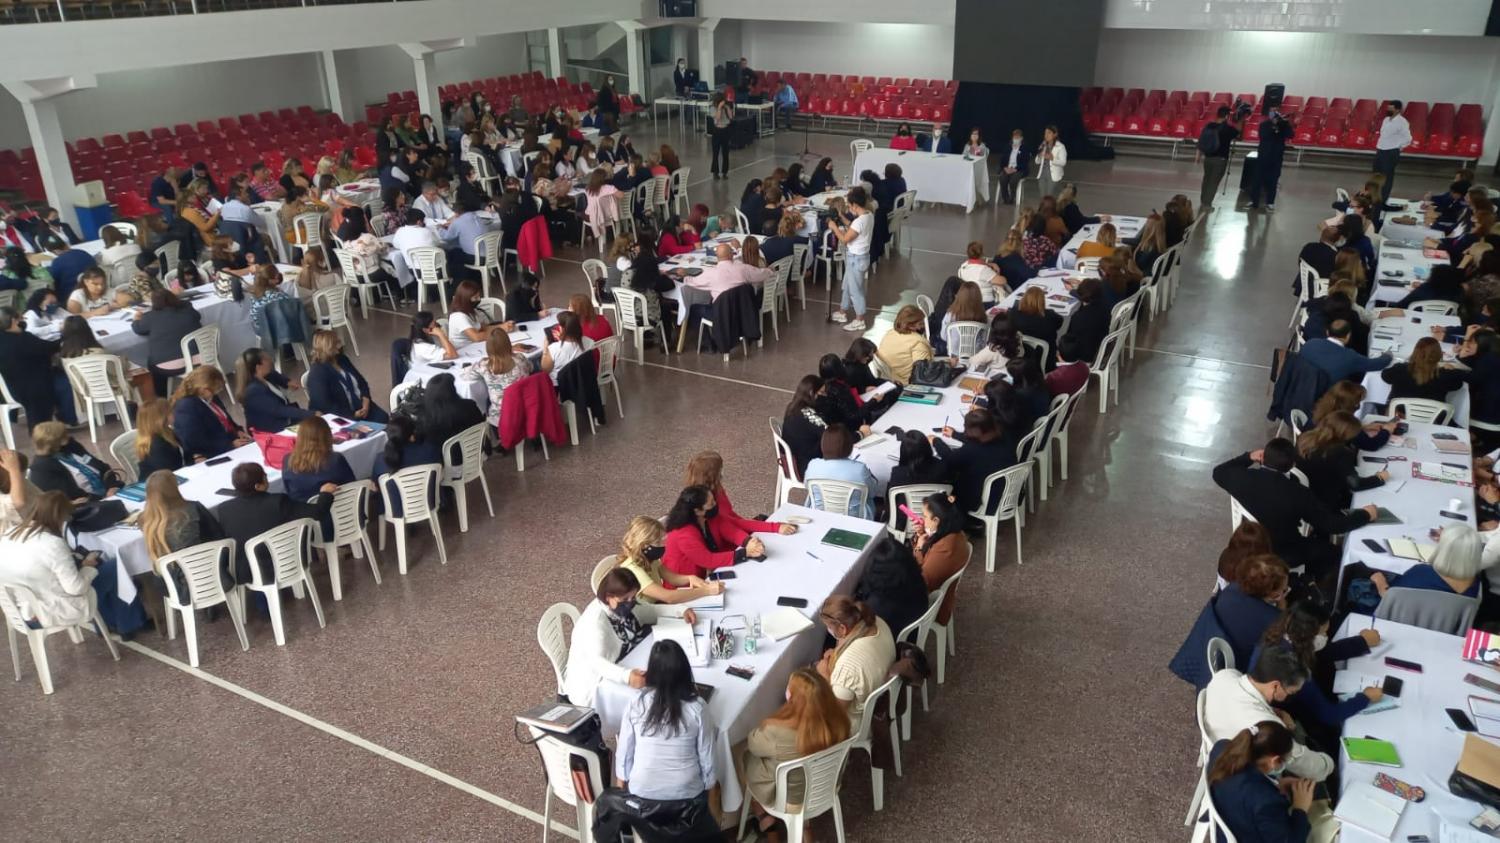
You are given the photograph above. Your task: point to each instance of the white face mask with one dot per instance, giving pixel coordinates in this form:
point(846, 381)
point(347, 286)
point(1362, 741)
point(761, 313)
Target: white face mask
point(1320, 641)
point(1015, 141)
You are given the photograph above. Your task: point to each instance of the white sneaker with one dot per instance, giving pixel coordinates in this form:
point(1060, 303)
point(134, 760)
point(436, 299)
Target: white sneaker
point(840, 316)
point(856, 325)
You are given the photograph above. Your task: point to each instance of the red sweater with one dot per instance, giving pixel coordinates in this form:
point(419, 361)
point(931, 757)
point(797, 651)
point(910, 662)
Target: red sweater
point(675, 243)
point(689, 555)
point(908, 143)
point(747, 525)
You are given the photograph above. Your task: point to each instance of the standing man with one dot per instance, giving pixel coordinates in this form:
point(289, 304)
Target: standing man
point(786, 102)
point(1051, 159)
point(1395, 135)
point(1215, 143)
point(1275, 131)
point(1015, 166)
point(856, 237)
point(744, 78)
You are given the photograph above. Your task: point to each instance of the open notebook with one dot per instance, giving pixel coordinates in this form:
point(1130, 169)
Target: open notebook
point(1366, 806)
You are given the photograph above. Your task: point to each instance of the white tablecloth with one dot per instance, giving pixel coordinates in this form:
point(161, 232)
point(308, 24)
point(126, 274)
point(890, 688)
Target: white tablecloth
point(738, 705)
point(511, 154)
point(1059, 298)
point(693, 260)
point(936, 177)
point(1413, 327)
point(1426, 740)
point(236, 331)
point(1401, 263)
point(203, 483)
point(880, 457)
point(534, 334)
point(1408, 232)
point(1415, 501)
point(1126, 228)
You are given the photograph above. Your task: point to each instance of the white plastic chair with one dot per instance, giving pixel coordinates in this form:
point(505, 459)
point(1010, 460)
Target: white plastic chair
point(916, 633)
point(307, 230)
point(1106, 367)
point(357, 274)
point(881, 369)
point(348, 514)
point(492, 308)
point(864, 738)
point(1012, 482)
point(801, 263)
point(857, 146)
point(741, 222)
point(557, 766)
point(964, 339)
point(786, 467)
point(429, 266)
point(772, 294)
point(657, 201)
point(122, 448)
point(8, 407)
point(553, 638)
point(1220, 655)
point(608, 350)
point(944, 632)
point(200, 566)
point(289, 548)
point(1060, 432)
point(331, 312)
point(912, 494)
point(624, 222)
point(837, 496)
point(1422, 410)
point(487, 261)
point(821, 774)
point(13, 597)
point(201, 348)
point(633, 321)
point(595, 272)
point(417, 489)
point(458, 477)
point(677, 190)
point(98, 383)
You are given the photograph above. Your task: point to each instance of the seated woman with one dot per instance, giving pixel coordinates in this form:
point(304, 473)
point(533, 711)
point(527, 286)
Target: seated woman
point(1303, 630)
point(1481, 353)
point(265, 394)
point(524, 302)
point(698, 543)
point(62, 464)
point(445, 413)
point(1032, 317)
point(1037, 249)
point(34, 554)
point(1103, 243)
point(1251, 603)
point(467, 324)
point(1119, 282)
point(1454, 568)
point(170, 523)
point(1003, 345)
point(429, 341)
point(811, 721)
point(904, 139)
point(203, 425)
point(1011, 262)
point(706, 469)
point(1326, 454)
point(1423, 375)
point(609, 627)
point(1073, 216)
point(156, 446)
point(641, 552)
point(802, 422)
point(917, 463)
point(1030, 385)
point(837, 463)
point(862, 655)
point(666, 745)
point(1347, 397)
point(677, 238)
point(314, 276)
point(569, 345)
point(892, 584)
point(117, 246)
point(498, 369)
point(904, 344)
point(1253, 805)
point(92, 296)
point(313, 461)
point(940, 546)
point(14, 497)
point(985, 449)
point(335, 386)
point(595, 327)
point(1090, 323)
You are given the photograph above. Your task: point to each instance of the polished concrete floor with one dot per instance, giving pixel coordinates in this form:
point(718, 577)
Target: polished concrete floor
point(1059, 720)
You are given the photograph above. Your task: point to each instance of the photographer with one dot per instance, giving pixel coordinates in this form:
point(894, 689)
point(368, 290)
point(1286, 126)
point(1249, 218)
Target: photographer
point(1275, 131)
point(1214, 144)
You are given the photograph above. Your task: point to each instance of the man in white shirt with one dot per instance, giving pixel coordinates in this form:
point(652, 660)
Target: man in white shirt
point(1236, 701)
point(414, 234)
point(432, 204)
point(856, 237)
point(1395, 135)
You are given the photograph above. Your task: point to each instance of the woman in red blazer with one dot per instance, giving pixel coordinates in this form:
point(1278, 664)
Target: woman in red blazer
point(707, 469)
point(700, 539)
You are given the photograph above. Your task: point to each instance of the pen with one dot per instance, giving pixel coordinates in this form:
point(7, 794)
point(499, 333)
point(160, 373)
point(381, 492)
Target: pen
point(813, 555)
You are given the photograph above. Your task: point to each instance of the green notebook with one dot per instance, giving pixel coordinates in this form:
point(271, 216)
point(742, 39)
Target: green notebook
point(920, 398)
point(846, 539)
point(1371, 751)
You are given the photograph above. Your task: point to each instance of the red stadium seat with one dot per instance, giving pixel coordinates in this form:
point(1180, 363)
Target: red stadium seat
point(1332, 133)
point(919, 112)
point(1307, 131)
point(1320, 103)
point(942, 113)
point(1252, 131)
point(1199, 97)
point(1114, 121)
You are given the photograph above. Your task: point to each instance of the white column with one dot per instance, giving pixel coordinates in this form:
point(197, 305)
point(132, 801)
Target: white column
point(1491, 132)
point(633, 59)
point(333, 96)
point(39, 106)
point(706, 50)
point(424, 68)
point(555, 52)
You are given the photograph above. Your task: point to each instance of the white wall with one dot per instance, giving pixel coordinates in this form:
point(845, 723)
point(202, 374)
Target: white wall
point(728, 46)
point(1457, 17)
point(869, 49)
point(1434, 69)
point(367, 75)
point(874, 11)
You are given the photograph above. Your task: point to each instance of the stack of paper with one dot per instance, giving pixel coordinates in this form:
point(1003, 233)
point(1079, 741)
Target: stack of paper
point(710, 603)
point(783, 623)
point(680, 631)
point(1366, 806)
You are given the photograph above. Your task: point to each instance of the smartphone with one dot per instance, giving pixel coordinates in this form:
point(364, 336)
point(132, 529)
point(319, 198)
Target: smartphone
point(1375, 545)
point(722, 575)
point(1377, 460)
point(1461, 720)
point(894, 431)
point(910, 513)
point(740, 671)
point(794, 602)
point(1403, 664)
point(1454, 515)
point(1392, 686)
point(217, 461)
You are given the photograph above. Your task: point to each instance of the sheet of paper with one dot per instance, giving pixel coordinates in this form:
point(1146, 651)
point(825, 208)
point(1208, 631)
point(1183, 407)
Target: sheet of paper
point(877, 391)
point(1349, 682)
point(783, 623)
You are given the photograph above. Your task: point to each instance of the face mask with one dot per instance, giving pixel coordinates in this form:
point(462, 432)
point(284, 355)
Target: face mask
point(1015, 141)
point(1276, 774)
point(654, 552)
point(1320, 641)
point(711, 513)
point(51, 309)
point(625, 607)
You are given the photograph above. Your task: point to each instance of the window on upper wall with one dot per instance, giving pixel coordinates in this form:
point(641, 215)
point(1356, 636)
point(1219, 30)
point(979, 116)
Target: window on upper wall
point(659, 45)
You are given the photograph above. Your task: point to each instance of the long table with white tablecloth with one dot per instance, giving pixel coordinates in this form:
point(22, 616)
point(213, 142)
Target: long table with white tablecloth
point(935, 176)
point(536, 335)
point(799, 565)
point(1398, 336)
point(1126, 228)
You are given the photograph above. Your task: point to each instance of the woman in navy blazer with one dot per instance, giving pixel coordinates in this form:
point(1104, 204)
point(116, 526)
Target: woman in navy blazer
point(263, 391)
point(204, 427)
point(334, 386)
point(1250, 604)
point(312, 463)
point(1249, 801)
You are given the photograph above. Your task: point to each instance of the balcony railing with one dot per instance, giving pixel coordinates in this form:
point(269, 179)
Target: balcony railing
point(54, 11)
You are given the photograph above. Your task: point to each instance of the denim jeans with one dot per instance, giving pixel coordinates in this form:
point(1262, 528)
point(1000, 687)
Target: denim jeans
point(853, 295)
point(788, 111)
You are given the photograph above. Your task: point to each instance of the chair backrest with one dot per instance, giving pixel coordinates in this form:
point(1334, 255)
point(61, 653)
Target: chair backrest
point(1220, 655)
point(98, 377)
point(881, 369)
point(608, 350)
point(487, 248)
point(1041, 346)
point(633, 308)
point(126, 228)
point(492, 308)
point(1436, 307)
point(428, 262)
point(18, 603)
point(350, 503)
point(200, 566)
point(1423, 410)
point(553, 638)
point(658, 194)
point(595, 271)
point(604, 566)
point(1109, 350)
point(775, 286)
point(1341, 195)
point(903, 203)
point(289, 547)
point(916, 631)
point(307, 228)
point(1012, 483)
point(965, 338)
point(1298, 417)
point(838, 496)
point(1438, 611)
point(556, 763)
point(331, 305)
point(785, 462)
point(741, 222)
point(416, 485)
point(821, 773)
point(885, 692)
point(925, 304)
point(912, 494)
point(1087, 266)
point(678, 181)
point(1238, 513)
point(470, 443)
point(122, 448)
point(397, 392)
point(204, 343)
point(859, 145)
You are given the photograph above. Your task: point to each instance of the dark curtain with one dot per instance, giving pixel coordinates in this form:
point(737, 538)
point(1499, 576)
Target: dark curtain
point(998, 109)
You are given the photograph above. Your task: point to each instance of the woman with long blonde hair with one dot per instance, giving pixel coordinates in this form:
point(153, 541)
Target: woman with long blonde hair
point(1423, 375)
point(810, 721)
point(200, 420)
point(313, 462)
point(170, 523)
point(156, 446)
point(641, 550)
point(500, 368)
point(1103, 243)
point(335, 386)
point(1326, 454)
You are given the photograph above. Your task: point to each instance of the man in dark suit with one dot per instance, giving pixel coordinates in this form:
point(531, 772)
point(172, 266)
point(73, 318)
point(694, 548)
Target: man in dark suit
point(1319, 256)
point(1261, 482)
point(937, 141)
point(1017, 160)
point(254, 510)
point(1275, 131)
point(1336, 359)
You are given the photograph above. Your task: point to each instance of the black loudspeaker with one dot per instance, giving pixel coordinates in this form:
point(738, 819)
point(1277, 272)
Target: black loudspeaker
point(1275, 93)
point(679, 8)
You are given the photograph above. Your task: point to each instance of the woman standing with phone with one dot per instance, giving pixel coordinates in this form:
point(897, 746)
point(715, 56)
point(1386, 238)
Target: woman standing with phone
point(722, 114)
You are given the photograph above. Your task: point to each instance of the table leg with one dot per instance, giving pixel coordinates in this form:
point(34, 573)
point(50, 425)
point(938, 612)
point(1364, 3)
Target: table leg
point(682, 332)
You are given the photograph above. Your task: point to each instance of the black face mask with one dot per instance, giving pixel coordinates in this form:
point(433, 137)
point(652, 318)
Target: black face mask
point(653, 552)
point(711, 513)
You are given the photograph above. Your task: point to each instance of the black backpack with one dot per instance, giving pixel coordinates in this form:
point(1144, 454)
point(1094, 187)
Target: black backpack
point(1208, 139)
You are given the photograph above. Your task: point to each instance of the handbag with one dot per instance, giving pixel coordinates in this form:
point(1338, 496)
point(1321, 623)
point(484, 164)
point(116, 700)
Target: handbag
point(934, 373)
point(274, 447)
point(97, 515)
